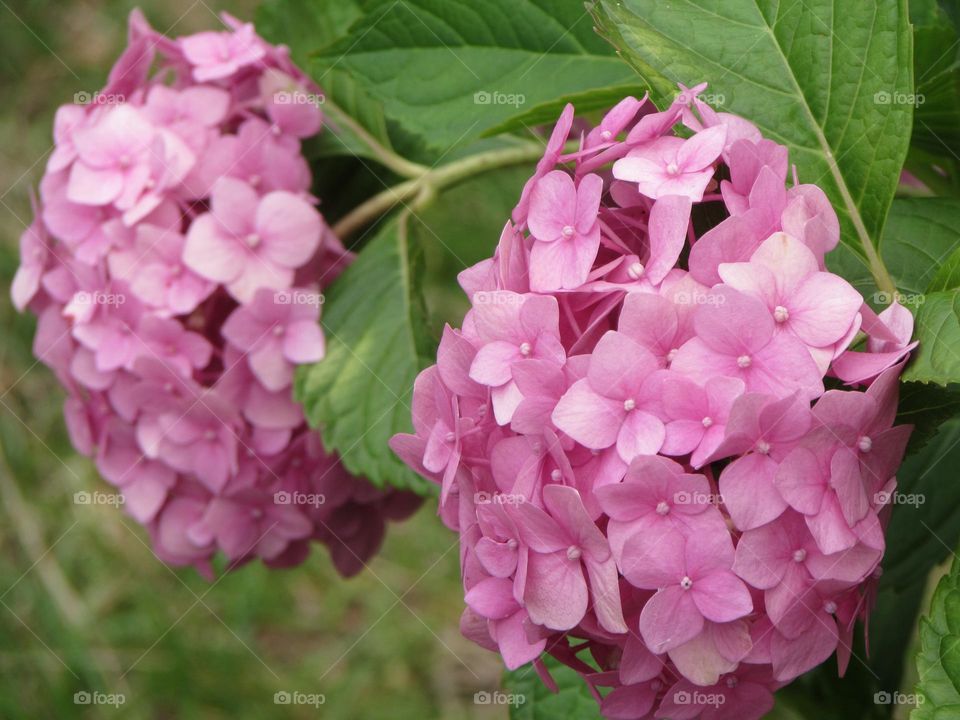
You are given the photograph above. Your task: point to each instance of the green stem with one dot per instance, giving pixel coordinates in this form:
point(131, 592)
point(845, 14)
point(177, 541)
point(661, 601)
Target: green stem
point(429, 183)
point(400, 165)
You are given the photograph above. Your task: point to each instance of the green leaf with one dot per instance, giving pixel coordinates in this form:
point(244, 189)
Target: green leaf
point(306, 25)
point(449, 70)
point(937, 70)
point(359, 394)
point(573, 700)
point(826, 79)
point(938, 661)
point(926, 407)
point(937, 359)
point(920, 234)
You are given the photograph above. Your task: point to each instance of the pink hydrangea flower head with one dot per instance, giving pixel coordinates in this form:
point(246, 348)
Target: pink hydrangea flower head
point(176, 264)
point(632, 431)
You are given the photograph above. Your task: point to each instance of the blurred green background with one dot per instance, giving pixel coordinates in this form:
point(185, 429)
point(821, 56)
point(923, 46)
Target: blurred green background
point(84, 604)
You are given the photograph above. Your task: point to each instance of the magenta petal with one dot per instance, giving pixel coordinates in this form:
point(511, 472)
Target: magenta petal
point(556, 591)
point(588, 418)
point(721, 597)
point(669, 619)
point(748, 491)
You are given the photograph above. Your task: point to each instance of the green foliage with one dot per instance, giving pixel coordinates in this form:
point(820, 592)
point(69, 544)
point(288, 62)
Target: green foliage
point(535, 701)
point(359, 395)
point(446, 71)
point(939, 659)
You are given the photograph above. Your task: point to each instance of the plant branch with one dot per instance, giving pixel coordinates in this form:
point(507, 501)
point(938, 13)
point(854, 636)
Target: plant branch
point(430, 182)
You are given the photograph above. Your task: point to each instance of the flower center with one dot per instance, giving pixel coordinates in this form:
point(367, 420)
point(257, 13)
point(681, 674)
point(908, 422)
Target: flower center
point(762, 447)
point(209, 435)
point(567, 231)
point(672, 354)
point(525, 349)
point(672, 169)
point(556, 475)
point(830, 607)
point(256, 513)
point(450, 437)
point(278, 329)
point(744, 361)
point(732, 682)
point(781, 314)
point(799, 555)
point(168, 388)
point(686, 583)
point(254, 180)
point(252, 240)
point(707, 421)
point(573, 553)
point(635, 271)
point(606, 134)
point(663, 507)
point(865, 444)
point(629, 404)
point(512, 544)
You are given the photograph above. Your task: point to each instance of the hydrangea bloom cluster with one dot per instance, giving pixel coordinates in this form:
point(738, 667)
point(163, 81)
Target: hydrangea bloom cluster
point(175, 265)
point(632, 431)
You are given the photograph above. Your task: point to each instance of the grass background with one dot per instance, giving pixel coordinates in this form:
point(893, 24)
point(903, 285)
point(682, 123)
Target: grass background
point(84, 604)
